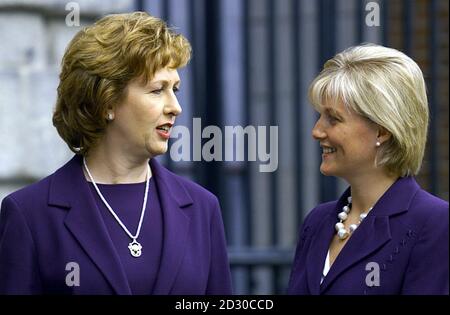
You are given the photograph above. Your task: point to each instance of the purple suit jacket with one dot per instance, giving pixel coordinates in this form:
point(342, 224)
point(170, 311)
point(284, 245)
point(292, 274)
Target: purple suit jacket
point(48, 224)
point(406, 234)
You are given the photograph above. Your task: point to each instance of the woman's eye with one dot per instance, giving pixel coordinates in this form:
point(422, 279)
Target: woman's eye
point(333, 119)
point(157, 92)
point(175, 89)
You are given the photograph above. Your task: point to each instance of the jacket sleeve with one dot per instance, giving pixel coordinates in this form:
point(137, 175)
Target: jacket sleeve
point(427, 271)
point(219, 279)
point(18, 266)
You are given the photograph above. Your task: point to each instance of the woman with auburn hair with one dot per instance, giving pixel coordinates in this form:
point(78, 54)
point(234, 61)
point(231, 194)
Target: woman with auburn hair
point(385, 235)
point(113, 220)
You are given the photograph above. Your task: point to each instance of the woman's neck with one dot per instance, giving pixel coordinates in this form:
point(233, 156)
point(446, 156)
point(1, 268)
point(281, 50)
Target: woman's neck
point(367, 190)
point(108, 166)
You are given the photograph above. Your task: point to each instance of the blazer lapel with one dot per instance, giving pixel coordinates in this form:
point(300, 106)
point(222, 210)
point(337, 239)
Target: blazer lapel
point(318, 252)
point(174, 198)
point(70, 189)
point(374, 231)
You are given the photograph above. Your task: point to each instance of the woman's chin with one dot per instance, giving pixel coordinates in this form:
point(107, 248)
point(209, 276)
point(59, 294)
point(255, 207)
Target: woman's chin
point(157, 150)
point(326, 171)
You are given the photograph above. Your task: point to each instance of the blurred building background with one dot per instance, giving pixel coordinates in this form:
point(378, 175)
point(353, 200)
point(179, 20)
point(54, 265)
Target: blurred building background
point(253, 61)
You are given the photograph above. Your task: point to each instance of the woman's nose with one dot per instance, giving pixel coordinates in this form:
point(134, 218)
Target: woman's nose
point(172, 106)
point(317, 132)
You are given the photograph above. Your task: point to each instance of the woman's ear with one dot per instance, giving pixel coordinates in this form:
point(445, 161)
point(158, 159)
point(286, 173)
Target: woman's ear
point(383, 135)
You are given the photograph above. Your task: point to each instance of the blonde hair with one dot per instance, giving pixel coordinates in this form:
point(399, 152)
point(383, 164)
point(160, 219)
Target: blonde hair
point(387, 87)
point(98, 64)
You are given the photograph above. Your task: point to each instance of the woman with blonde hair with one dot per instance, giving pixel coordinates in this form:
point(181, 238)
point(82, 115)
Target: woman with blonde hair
point(385, 235)
point(113, 220)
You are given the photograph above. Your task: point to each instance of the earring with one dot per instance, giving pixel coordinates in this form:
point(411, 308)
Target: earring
point(378, 144)
point(110, 116)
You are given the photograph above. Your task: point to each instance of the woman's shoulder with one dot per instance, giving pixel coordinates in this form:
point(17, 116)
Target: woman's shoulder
point(319, 212)
point(195, 190)
point(38, 192)
point(425, 198)
point(425, 206)
point(32, 194)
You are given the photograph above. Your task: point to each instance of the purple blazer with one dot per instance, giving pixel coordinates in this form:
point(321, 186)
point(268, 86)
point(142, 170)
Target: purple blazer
point(405, 234)
point(51, 223)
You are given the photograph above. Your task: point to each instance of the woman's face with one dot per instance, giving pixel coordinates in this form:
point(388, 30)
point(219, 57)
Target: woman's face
point(348, 141)
point(143, 121)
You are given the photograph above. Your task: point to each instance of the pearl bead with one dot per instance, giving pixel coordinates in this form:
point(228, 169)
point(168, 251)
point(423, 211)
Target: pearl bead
point(343, 234)
point(339, 226)
point(342, 216)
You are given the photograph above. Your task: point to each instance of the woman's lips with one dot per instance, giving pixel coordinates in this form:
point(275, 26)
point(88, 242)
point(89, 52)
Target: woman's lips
point(164, 134)
point(164, 130)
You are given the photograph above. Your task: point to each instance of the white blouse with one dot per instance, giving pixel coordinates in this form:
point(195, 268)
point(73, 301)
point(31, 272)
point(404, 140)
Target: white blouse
point(326, 267)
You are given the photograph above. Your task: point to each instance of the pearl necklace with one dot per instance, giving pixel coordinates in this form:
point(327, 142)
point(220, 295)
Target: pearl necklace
point(135, 247)
point(342, 232)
